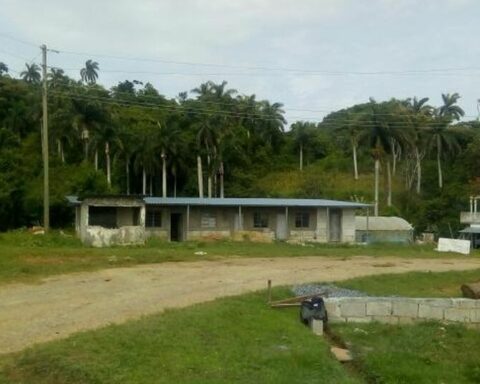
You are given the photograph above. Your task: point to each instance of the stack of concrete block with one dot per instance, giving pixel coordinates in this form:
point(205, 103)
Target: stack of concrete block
point(402, 310)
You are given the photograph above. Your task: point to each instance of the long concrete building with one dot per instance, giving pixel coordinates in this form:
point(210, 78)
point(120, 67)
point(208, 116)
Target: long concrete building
point(107, 220)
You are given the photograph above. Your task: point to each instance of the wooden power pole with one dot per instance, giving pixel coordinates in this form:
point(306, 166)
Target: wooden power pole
point(46, 193)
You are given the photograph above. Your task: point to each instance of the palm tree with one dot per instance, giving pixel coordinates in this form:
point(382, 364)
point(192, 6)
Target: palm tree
point(419, 115)
point(31, 74)
point(56, 77)
point(3, 69)
point(352, 126)
point(379, 136)
point(440, 136)
point(302, 133)
point(89, 74)
point(273, 121)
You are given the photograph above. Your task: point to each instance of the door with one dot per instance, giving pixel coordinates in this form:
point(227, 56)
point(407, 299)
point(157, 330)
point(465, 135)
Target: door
point(281, 231)
point(335, 225)
point(176, 227)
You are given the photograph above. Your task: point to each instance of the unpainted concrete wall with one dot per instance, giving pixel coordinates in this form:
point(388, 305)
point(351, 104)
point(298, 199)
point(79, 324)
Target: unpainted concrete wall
point(402, 310)
point(404, 237)
point(97, 236)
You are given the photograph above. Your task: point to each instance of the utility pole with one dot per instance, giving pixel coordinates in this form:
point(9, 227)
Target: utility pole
point(46, 193)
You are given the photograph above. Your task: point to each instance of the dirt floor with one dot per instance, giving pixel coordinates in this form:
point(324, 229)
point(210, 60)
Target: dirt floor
point(62, 305)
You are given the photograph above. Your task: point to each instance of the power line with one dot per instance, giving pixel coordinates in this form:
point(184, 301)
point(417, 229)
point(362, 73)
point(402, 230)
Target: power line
point(204, 111)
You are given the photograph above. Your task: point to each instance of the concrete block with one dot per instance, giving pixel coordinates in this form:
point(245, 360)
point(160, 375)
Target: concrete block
point(405, 308)
point(379, 308)
point(457, 314)
point(333, 309)
point(353, 308)
point(386, 319)
point(317, 327)
point(464, 303)
point(475, 315)
point(427, 311)
point(366, 319)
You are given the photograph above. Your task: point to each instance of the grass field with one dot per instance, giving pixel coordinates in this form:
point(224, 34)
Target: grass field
point(424, 353)
point(234, 340)
point(26, 257)
point(414, 284)
point(241, 340)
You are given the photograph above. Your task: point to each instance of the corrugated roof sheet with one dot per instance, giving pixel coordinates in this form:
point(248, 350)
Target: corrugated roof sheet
point(382, 223)
point(244, 202)
point(252, 202)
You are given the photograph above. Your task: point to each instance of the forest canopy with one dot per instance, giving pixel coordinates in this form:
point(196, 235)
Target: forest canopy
point(131, 139)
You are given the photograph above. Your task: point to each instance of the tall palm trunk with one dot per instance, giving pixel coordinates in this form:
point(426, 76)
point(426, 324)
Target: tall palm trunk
point(419, 170)
point(144, 182)
point(96, 159)
point(107, 161)
point(200, 176)
point(164, 174)
point(209, 179)
point(222, 190)
point(377, 172)
point(301, 157)
point(389, 181)
point(439, 162)
point(127, 174)
point(355, 164)
point(174, 185)
point(151, 185)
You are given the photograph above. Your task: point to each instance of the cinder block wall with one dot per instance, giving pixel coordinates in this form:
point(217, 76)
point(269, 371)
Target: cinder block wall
point(402, 310)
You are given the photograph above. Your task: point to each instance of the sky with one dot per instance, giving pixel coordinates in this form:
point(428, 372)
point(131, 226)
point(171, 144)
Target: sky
point(314, 56)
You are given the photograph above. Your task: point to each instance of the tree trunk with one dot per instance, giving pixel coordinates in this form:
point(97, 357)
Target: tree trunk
point(394, 157)
point(301, 157)
point(96, 159)
point(107, 161)
point(151, 185)
point(209, 179)
point(355, 164)
point(127, 174)
point(471, 291)
point(222, 190)
point(389, 180)
point(439, 162)
point(377, 171)
point(144, 182)
point(174, 185)
point(419, 170)
point(164, 174)
point(200, 176)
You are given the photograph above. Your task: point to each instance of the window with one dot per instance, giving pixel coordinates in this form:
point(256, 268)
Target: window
point(302, 220)
point(208, 220)
point(102, 216)
point(153, 218)
point(260, 220)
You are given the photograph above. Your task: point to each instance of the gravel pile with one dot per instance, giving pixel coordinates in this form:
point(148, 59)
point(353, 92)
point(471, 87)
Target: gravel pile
point(325, 290)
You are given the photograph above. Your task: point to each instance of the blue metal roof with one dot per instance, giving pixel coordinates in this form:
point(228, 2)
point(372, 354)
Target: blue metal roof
point(252, 202)
point(235, 202)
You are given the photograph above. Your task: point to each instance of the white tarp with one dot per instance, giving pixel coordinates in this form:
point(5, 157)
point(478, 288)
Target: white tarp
point(453, 245)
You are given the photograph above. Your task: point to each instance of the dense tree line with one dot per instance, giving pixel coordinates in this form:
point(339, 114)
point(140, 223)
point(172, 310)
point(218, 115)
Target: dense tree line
point(213, 141)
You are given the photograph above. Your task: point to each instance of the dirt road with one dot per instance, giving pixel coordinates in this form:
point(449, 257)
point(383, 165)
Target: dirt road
point(62, 305)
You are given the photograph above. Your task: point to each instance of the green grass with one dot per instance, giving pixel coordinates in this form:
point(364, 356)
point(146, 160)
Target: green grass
point(421, 353)
point(414, 284)
point(26, 257)
point(233, 340)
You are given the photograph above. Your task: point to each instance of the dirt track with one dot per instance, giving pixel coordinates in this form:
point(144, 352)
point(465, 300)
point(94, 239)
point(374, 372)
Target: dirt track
point(62, 305)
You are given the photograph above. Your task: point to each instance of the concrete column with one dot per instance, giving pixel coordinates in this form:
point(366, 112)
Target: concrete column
point(187, 231)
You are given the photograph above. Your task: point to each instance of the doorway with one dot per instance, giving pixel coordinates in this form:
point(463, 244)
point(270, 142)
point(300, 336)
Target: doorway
point(176, 227)
point(281, 232)
point(335, 225)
